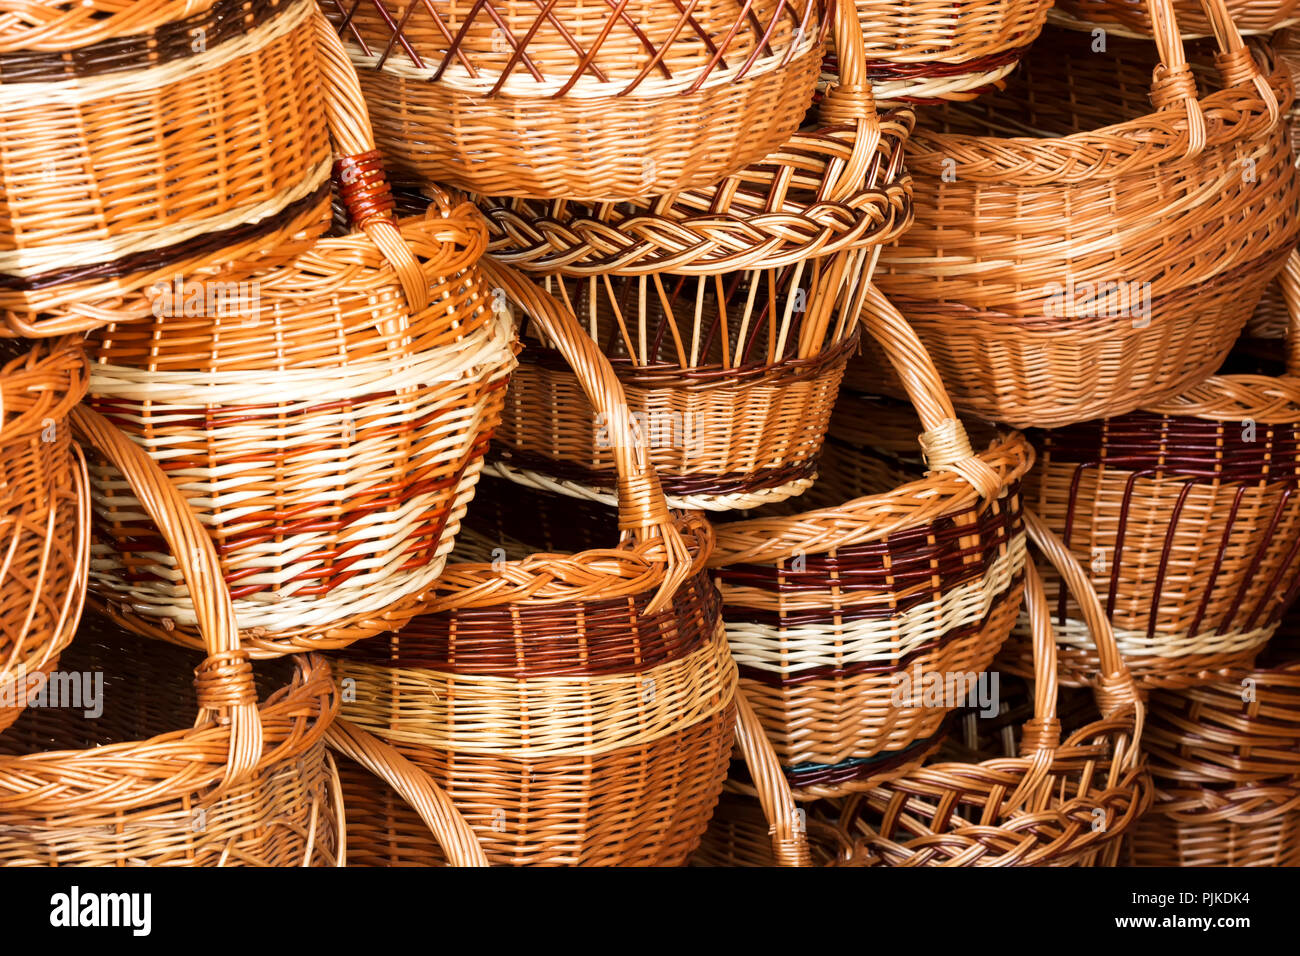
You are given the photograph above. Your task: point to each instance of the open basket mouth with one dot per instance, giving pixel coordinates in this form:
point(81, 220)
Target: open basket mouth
point(1132, 18)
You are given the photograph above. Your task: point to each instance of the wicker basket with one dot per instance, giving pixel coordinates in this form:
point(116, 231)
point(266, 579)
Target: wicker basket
point(145, 140)
point(1132, 18)
point(1049, 280)
point(44, 509)
point(333, 510)
point(932, 51)
point(1189, 518)
point(1058, 803)
point(542, 681)
point(839, 616)
point(104, 777)
point(727, 313)
point(1226, 763)
point(518, 98)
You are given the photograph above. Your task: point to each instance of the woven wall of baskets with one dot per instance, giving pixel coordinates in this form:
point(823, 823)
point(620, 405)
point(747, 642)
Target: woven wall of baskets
point(44, 511)
point(1049, 280)
point(147, 139)
point(333, 510)
point(1225, 758)
point(727, 312)
point(927, 51)
point(560, 99)
point(840, 614)
point(1189, 520)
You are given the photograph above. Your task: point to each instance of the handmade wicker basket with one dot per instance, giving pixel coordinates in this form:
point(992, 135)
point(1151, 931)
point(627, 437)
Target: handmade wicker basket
point(541, 681)
point(930, 51)
point(1058, 803)
point(332, 507)
point(521, 98)
point(104, 777)
point(1189, 518)
point(727, 313)
point(146, 140)
point(1048, 280)
point(1226, 762)
point(44, 512)
point(1132, 18)
point(838, 616)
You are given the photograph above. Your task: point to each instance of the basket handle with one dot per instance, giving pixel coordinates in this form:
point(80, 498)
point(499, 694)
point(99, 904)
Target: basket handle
point(415, 786)
point(944, 443)
point(1115, 688)
point(642, 509)
point(851, 101)
point(1173, 85)
point(789, 837)
point(224, 681)
point(359, 170)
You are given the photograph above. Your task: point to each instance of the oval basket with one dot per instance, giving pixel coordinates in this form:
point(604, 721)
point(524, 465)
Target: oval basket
point(146, 140)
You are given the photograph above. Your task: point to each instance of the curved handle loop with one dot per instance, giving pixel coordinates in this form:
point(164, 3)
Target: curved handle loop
point(851, 101)
point(785, 821)
point(424, 796)
point(642, 509)
point(224, 681)
point(359, 170)
point(1115, 688)
point(944, 443)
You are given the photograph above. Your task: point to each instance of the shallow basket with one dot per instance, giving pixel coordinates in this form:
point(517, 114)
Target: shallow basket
point(1059, 802)
point(329, 469)
point(540, 681)
point(521, 98)
point(727, 313)
point(839, 615)
point(1048, 280)
point(150, 139)
point(1188, 515)
point(44, 509)
point(109, 767)
point(930, 51)
point(1226, 762)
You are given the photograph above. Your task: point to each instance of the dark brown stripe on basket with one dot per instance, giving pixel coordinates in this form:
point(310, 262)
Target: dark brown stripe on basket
point(728, 483)
point(934, 69)
point(775, 679)
point(151, 260)
point(526, 641)
point(202, 32)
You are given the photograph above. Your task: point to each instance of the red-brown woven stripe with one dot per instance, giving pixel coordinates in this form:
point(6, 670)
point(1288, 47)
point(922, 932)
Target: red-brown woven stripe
point(225, 20)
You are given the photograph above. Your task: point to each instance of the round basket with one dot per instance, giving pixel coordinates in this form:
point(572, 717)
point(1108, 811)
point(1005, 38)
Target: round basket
point(728, 314)
point(330, 470)
point(1226, 763)
point(933, 51)
point(840, 616)
point(109, 767)
point(539, 681)
point(518, 98)
point(1047, 279)
point(146, 140)
point(44, 509)
point(1132, 18)
point(1188, 517)
point(1055, 803)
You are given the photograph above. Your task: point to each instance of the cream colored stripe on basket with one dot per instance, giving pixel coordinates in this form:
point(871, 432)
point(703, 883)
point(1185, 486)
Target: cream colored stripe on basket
point(1135, 644)
point(75, 90)
point(803, 647)
point(541, 717)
